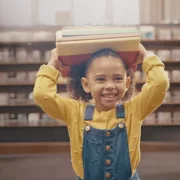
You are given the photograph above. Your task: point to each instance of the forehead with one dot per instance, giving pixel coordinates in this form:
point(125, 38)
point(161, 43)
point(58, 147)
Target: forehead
point(106, 65)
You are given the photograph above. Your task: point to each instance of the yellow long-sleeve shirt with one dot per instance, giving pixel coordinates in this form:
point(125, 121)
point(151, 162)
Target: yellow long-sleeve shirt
point(72, 111)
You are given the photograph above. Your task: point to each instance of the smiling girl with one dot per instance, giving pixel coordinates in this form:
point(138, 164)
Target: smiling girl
point(104, 135)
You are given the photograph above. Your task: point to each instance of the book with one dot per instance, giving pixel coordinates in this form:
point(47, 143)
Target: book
point(76, 46)
point(98, 31)
point(91, 37)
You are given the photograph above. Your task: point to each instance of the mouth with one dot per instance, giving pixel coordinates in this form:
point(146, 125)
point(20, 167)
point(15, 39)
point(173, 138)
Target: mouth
point(109, 96)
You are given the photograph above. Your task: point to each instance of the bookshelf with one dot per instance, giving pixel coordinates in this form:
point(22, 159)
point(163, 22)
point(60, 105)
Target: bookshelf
point(18, 110)
point(15, 85)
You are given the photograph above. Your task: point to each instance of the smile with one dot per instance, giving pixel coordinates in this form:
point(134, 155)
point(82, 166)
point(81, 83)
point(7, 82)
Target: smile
point(109, 96)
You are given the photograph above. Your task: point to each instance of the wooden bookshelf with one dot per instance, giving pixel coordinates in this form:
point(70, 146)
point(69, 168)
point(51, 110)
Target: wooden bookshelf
point(40, 123)
point(57, 129)
point(59, 147)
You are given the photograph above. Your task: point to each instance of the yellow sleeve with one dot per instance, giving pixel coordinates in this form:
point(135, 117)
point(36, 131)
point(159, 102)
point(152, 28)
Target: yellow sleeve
point(45, 95)
point(153, 91)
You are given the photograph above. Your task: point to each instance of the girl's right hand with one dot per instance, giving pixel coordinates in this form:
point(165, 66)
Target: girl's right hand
point(55, 62)
point(142, 54)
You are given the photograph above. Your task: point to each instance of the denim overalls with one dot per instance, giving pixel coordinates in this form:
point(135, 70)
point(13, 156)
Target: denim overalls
point(105, 152)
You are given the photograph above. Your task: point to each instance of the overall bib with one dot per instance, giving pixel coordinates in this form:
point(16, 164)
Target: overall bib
point(105, 152)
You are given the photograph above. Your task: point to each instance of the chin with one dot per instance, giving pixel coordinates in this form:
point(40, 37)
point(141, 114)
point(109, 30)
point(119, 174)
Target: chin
point(109, 106)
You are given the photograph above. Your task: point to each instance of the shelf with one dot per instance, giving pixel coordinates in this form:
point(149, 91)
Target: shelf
point(28, 43)
point(161, 124)
point(15, 66)
point(64, 82)
point(29, 104)
point(28, 108)
point(61, 147)
point(172, 65)
point(38, 43)
point(13, 84)
point(161, 25)
point(34, 66)
point(14, 63)
point(161, 44)
point(174, 83)
point(168, 63)
point(169, 107)
point(26, 124)
point(159, 41)
point(25, 88)
point(171, 103)
point(33, 147)
point(25, 83)
point(18, 123)
point(54, 41)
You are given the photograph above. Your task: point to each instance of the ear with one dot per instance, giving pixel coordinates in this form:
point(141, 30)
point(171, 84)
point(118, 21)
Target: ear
point(85, 85)
point(128, 81)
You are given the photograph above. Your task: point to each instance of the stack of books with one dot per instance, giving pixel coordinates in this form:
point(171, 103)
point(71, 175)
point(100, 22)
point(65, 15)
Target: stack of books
point(75, 46)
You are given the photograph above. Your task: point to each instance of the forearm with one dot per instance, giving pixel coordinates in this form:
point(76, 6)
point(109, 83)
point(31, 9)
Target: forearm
point(153, 91)
point(53, 64)
point(45, 93)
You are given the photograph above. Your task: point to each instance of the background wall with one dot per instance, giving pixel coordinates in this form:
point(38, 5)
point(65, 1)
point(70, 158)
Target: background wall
point(156, 11)
point(101, 12)
point(15, 13)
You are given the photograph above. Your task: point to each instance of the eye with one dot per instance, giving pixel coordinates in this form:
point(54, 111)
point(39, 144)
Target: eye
point(100, 79)
point(118, 78)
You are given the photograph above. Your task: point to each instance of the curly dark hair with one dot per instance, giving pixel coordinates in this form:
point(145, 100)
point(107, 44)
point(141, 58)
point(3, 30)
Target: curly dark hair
point(74, 86)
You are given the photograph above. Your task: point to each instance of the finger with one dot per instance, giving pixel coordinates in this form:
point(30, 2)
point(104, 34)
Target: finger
point(139, 58)
point(53, 51)
point(62, 66)
point(54, 55)
point(65, 67)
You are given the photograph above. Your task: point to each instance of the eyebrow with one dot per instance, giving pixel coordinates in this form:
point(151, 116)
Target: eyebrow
point(98, 75)
point(102, 75)
point(118, 75)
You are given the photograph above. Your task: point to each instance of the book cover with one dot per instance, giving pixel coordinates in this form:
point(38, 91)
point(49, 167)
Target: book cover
point(77, 45)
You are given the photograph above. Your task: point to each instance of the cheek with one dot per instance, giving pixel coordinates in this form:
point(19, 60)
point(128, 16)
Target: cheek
point(96, 90)
point(121, 87)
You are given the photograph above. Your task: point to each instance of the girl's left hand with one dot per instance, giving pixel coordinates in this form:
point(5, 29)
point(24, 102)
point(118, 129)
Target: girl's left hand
point(142, 54)
point(55, 62)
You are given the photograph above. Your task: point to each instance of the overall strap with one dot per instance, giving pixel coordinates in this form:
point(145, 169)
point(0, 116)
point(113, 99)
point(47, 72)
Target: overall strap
point(120, 111)
point(89, 112)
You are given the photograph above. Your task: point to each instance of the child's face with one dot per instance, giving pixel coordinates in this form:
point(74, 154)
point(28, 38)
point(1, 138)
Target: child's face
point(107, 82)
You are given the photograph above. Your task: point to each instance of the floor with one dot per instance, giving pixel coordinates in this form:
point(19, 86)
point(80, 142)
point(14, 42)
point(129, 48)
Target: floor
point(153, 166)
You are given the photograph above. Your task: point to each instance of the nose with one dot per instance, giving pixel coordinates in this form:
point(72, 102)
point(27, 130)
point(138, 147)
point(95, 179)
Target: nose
point(109, 85)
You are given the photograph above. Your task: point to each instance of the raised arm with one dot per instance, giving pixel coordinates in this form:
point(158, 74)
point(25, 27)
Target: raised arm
point(45, 91)
point(153, 91)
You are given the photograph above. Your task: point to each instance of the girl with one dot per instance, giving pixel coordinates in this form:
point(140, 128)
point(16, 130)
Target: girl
point(105, 135)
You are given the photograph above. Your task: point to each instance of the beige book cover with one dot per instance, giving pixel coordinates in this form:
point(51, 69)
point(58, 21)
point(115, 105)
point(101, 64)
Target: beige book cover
point(77, 45)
